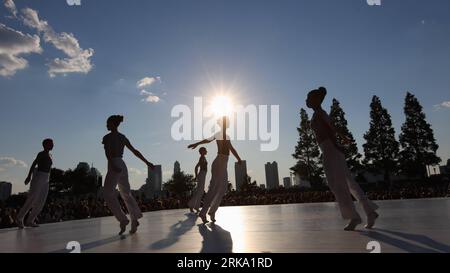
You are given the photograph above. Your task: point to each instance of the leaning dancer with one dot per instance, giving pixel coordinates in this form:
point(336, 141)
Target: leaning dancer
point(200, 177)
point(338, 175)
point(114, 144)
point(219, 179)
point(39, 178)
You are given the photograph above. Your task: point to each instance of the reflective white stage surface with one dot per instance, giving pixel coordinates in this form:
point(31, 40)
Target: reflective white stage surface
point(404, 226)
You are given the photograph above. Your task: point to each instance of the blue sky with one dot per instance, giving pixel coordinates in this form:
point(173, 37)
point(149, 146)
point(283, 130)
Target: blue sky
point(267, 52)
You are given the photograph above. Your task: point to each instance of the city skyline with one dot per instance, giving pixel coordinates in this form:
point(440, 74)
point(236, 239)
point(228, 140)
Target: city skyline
point(264, 53)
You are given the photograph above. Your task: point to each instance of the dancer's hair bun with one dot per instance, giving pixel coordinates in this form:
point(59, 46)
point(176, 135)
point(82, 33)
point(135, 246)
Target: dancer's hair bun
point(323, 91)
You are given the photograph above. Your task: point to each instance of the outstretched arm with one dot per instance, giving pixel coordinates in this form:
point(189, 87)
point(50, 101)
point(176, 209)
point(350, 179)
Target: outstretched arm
point(33, 165)
point(235, 153)
point(138, 154)
point(205, 141)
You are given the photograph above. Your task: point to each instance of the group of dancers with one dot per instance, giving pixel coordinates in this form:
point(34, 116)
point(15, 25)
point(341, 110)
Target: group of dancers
point(338, 175)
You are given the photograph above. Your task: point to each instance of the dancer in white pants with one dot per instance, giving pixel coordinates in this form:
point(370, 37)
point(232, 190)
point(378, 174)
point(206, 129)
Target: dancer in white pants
point(338, 175)
point(219, 175)
point(200, 175)
point(114, 144)
point(39, 186)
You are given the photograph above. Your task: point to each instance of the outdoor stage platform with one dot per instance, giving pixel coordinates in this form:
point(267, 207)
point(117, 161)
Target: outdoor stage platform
point(404, 226)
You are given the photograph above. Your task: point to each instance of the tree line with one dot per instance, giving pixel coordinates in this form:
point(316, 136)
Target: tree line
point(415, 148)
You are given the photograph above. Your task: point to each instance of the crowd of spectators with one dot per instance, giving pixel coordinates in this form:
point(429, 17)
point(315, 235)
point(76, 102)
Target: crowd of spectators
point(58, 210)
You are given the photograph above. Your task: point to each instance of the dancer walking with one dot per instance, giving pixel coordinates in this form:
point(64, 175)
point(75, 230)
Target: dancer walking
point(114, 144)
point(338, 175)
point(200, 177)
point(39, 178)
point(219, 179)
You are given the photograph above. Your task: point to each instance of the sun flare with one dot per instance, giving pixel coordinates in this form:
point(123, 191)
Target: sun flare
point(222, 106)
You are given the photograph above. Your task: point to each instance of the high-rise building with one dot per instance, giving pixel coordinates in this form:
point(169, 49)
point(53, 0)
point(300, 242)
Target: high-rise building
point(5, 190)
point(240, 174)
point(176, 167)
point(272, 179)
point(153, 182)
point(287, 182)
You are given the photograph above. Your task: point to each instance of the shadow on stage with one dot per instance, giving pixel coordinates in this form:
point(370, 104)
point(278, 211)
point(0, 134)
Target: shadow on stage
point(412, 243)
point(215, 239)
point(176, 231)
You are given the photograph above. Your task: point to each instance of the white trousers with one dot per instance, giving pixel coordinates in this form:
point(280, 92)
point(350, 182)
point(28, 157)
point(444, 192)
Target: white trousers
point(194, 203)
point(342, 184)
point(109, 191)
point(36, 197)
point(217, 186)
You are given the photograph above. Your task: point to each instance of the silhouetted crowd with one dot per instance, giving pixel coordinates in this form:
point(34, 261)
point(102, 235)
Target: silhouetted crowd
point(66, 210)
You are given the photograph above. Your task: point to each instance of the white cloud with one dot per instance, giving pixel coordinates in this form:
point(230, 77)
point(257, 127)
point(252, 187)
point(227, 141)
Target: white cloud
point(7, 162)
point(14, 43)
point(78, 59)
point(9, 4)
point(147, 81)
point(444, 104)
point(149, 97)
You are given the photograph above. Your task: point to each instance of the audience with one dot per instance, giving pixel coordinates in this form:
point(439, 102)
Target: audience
point(59, 210)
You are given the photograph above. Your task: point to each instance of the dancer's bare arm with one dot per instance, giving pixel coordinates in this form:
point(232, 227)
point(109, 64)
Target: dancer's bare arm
point(205, 141)
point(138, 154)
point(235, 153)
point(33, 166)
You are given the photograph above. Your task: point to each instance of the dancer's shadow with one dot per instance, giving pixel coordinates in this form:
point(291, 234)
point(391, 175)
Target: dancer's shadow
point(215, 239)
point(94, 244)
point(176, 231)
point(413, 243)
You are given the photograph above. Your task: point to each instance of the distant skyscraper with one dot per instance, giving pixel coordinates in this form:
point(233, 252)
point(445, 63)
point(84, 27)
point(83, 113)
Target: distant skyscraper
point(287, 182)
point(240, 174)
point(272, 179)
point(176, 167)
point(5, 190)
point(154, 182)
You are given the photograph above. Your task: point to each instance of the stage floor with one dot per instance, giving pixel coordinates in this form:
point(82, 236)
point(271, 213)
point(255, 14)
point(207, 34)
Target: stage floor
point(404, 226)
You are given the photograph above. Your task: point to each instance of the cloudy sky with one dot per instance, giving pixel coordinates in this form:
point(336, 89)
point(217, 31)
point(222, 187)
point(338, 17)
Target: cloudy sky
point(65, 69)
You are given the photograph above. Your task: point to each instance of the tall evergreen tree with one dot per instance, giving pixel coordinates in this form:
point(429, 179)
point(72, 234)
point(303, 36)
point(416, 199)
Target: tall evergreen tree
point(417, 140)
point(381, 149)
point(307, 153)
point(337, 116)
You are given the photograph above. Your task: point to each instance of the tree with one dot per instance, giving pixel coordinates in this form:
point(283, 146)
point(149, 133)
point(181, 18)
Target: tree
point(307, 153)
point(417, 140)
point(381, 148)
point(180, 184)
point(249, 186)
point(339, 121)
point(80, 182)
point(57, 183)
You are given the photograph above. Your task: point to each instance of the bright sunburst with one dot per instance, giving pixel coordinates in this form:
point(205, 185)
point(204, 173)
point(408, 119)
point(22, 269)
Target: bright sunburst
point(222, 106)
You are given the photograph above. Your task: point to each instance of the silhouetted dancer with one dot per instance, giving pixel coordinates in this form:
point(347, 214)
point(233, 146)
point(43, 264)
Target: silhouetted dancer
point(200, 175)
point(338, 175)
point(39, 178)
point(219, 175)
point(114, 144)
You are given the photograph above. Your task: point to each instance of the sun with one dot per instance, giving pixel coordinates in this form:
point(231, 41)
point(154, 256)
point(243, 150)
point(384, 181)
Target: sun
point(222, 106)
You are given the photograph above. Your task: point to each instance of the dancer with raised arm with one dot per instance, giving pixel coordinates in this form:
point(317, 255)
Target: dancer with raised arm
point(39, 178)
point(338, 175)
point(200, 175)
point(219, 175)
point(114, 144)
